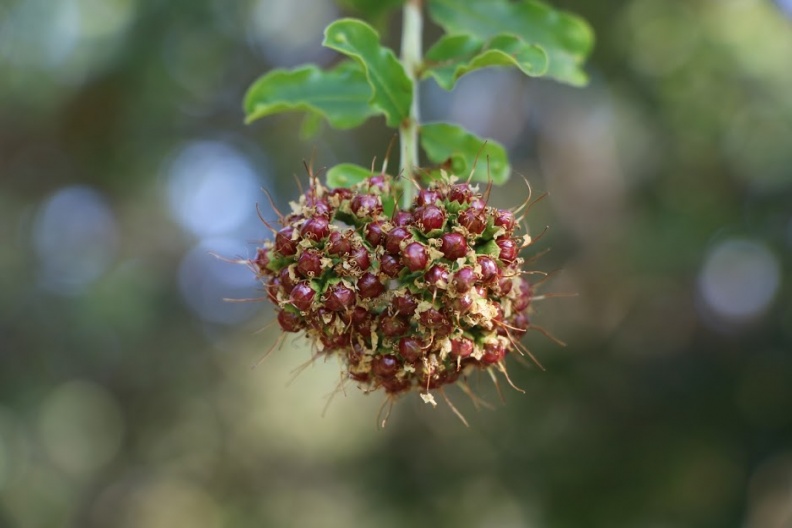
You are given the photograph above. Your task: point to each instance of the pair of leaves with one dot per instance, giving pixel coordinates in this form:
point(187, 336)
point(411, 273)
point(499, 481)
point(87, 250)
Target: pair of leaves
point(461, 152)
point(373, 82)
point(527, 34)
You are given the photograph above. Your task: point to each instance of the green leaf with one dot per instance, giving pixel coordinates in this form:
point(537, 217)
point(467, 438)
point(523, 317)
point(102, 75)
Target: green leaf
point(455, 55)
point(455, 146)
point(388, 205)
point(391, 88)
point(490, 248)
point(566, 38)
point(346, 175)
point(341, 95)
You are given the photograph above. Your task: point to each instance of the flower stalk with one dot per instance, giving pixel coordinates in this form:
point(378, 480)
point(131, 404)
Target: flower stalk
point(411, 56)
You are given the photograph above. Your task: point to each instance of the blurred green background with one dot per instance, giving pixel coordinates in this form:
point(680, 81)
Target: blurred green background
point(126, 397)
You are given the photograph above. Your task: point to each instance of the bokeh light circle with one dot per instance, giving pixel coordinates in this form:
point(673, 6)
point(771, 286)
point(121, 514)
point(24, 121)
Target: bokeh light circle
point(739, 279)
point(81, 426)
point(75, 239)
point(210, 187)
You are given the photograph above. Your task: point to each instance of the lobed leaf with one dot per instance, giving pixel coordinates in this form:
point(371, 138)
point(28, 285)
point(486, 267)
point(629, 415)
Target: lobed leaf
point(566, 38)
point(346, 175)
point(453, 56)
point(454, 146)
point(391, 88)
point(341, 95)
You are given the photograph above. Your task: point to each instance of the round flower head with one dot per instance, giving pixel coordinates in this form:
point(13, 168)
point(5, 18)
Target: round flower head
point(408, 299)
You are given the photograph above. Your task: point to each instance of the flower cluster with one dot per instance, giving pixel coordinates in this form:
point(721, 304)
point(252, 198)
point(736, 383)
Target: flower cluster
point(407, 298)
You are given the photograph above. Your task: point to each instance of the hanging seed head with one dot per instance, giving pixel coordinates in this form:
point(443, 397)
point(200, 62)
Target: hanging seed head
point(408, 299)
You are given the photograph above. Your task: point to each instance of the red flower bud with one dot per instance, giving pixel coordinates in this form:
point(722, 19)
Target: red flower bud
point(369, 286)
point(338, 244)
point(390, 265)
point(290, 321)
point(395, 238)
point(393, 326)
point(508, 249)
point(433, 318)
point(374, 235)
point(461, 347)
point(436, 276)
point(385, 366)
point(493, 353)
point(284, 243)
point(472, 220)
point(505, 219)
point(366, 205)
point(460, 192)
point(427, 197)
point(410, 349)
point(339, 298)
point(360, 258)
point(489, 270)
point(415, 256)
point(302, 296)
point(464, 279)
point(453, 246)
point(261, 261)
point(361, 319)
point(429, 217)
point(316, 228)
point(402, 218)
point(309, 264)
point(405, 304)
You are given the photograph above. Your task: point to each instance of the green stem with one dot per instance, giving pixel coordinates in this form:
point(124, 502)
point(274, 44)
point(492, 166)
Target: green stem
point(411, 53)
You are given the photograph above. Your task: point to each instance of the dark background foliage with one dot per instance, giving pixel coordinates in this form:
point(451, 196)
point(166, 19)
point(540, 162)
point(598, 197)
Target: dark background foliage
point(125, 393)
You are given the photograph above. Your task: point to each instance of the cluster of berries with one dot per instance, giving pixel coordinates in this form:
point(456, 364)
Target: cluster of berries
point(407, 298)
